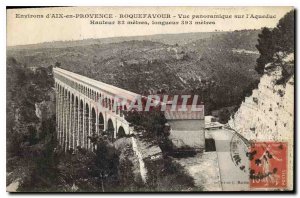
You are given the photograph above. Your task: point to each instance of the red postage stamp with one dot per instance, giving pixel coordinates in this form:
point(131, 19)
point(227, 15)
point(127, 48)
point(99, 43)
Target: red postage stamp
point(268, 165)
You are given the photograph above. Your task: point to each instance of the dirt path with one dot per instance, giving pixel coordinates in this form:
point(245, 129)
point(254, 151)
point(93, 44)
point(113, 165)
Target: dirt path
point(13, 187)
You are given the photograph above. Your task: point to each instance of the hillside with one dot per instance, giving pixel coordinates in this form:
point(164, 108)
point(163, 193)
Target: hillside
point(210, 66)
point(170, 39)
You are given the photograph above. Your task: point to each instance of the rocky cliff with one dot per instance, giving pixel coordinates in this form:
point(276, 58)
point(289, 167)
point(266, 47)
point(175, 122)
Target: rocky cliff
point(268, 114)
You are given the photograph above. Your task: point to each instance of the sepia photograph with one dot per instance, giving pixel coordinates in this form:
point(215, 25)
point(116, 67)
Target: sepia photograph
point(150, 99)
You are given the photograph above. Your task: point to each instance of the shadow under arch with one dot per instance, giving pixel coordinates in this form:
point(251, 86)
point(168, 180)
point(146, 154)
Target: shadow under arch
point(86, 128)
point(110, 130)
point(121, 132)
point(101, 124)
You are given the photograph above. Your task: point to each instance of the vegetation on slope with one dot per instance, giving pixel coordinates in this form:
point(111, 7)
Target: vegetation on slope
point(210, 67)
point(279, 39)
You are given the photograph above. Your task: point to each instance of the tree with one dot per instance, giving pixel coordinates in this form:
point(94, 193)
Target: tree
point(106, 161)
point(280, 39)
point(151, 123)
point(266, 48)
point(224, 116)
point(285, 33)
point(57, 64)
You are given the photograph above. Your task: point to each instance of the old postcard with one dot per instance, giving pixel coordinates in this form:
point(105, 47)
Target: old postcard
point(150, 99)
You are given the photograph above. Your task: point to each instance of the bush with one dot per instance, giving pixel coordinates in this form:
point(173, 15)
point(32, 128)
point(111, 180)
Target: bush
point(150, 124)
point(167, 175)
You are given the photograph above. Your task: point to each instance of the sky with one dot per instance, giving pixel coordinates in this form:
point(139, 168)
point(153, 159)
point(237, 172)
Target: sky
point(22, 31)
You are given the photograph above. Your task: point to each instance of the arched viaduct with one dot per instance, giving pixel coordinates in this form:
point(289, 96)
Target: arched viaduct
point(85, 107)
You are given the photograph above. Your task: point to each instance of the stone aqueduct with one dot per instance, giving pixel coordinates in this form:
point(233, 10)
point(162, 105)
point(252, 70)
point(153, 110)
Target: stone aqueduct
point(85, 106)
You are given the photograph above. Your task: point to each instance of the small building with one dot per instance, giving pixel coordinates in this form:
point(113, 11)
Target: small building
point(187, 128)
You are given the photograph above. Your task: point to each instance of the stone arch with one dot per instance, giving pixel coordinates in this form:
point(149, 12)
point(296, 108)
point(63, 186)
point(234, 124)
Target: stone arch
point(72, 120)
point(112, 104)
point(76, 133)
point(100, 123)
point(69, 98)
point(121, 132)
point(102, 100)
point(65, 91)
point(110, 130)
point(93, 126)
point(109, 104)
point(86, 128)
point(93, 120)
point(72, 98)
point(123, 109)
point(81, 119)
point(106, 102)
point(117, 108)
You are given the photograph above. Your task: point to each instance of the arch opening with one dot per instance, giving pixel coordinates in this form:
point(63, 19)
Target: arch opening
point(93, 127)
point(72, 120)
point(101, 124)
point(81, 118)
point(121, 132)
point(110, 130)
point(76, 123)
point(93, 120)
point(87, 123)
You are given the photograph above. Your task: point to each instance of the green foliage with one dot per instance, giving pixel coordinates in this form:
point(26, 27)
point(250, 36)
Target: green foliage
point(285, 33)
point(224, 116)
point(266, 48)
point(238, 39)
point(42, 160)
point(151, 126)
point(279, 39)
point(167, 175)
point(105, 163)
point(25, 87)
